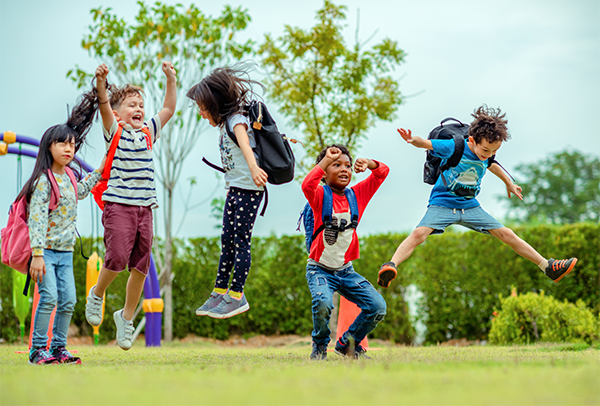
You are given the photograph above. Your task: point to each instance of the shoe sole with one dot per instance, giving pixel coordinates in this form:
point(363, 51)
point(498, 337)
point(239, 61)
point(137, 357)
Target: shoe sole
point(230, 314)
point(201, 312)
point(568, 271)
point(386, 275)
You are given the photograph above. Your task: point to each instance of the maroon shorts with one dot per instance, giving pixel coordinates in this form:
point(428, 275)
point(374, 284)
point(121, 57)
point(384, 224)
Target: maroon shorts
point(127, 237)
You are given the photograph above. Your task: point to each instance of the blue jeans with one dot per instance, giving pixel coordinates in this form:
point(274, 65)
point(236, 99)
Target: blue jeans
point(56, 289)
point(352, 286)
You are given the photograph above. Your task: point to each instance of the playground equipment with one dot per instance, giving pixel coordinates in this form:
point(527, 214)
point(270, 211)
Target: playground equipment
point(94, 264)
point(20, 301)
point(152, 305)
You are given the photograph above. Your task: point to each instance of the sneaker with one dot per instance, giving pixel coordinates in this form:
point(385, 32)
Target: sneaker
point(319, 352)
point(64, 357)
point(387, 273)
point(41, 356)
point(349, 349)
point(124, 330)
point(93, 308)
point(213, 300)
point(556, 269)
point(229, 307)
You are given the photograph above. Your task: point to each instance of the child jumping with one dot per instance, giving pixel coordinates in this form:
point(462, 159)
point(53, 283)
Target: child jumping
point(52, 233)
point(456, 203)
point(130, 195)
point(221, 97)
point(329, 266)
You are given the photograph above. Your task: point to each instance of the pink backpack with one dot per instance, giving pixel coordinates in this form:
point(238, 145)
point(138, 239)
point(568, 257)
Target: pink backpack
point(16, 248)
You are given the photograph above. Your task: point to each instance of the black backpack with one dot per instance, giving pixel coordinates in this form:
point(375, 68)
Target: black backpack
point(457, 131)
point(273, 150)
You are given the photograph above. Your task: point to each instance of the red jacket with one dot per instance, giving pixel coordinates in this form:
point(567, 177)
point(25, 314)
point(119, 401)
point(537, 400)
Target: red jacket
point(331, 248)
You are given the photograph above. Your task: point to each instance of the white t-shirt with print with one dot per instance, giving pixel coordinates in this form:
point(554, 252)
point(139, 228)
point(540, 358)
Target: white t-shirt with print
point(237, 172)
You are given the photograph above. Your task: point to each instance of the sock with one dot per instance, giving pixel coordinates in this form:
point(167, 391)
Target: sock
point(236, 295)
point(543, 265)
point(220, 291)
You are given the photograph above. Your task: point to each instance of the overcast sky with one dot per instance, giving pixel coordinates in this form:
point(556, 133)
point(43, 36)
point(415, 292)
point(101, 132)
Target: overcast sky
point(536, 60)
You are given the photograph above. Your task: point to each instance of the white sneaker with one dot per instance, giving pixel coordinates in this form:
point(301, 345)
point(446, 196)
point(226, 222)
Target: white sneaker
point(93, 308)
point(124, 330)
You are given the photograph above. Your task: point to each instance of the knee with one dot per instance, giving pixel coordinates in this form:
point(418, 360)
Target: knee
point(506, 235)
point(379, 308)
point(47, 303)
point(322, 307)
point(419, 235)
point(67, 304)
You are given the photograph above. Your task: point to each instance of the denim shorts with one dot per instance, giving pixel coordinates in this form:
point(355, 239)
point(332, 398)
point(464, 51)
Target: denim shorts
point(475, 218)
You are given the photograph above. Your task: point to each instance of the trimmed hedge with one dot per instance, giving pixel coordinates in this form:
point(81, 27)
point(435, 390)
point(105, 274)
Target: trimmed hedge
point(461, 276)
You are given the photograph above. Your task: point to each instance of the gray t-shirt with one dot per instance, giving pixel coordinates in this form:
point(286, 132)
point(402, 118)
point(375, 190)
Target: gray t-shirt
point(237, 172)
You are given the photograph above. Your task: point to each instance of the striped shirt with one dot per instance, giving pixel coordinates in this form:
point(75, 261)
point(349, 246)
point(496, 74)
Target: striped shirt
point(132, 175)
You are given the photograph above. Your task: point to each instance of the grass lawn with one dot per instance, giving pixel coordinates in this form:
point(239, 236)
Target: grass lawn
point(206, 374)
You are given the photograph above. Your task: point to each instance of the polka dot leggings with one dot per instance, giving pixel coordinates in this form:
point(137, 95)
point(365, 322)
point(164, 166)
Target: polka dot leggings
point(239, 215)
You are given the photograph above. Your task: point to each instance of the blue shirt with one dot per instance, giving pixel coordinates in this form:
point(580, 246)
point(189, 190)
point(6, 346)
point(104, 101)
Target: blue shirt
point(464, 180)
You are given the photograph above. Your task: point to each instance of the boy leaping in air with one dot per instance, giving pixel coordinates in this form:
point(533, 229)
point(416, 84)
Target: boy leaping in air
point(456, 202)
point(130, 195)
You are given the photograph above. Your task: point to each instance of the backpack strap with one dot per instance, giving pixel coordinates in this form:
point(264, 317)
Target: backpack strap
point(146, 131)
point(111, 153)
point(459, 149)
point(327, 211)
point(73, 178)
point(351, 196)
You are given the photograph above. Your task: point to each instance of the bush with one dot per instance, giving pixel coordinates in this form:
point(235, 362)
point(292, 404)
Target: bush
point(532, 317)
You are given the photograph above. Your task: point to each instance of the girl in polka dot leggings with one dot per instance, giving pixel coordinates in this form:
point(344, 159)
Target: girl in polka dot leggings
point(220, 97)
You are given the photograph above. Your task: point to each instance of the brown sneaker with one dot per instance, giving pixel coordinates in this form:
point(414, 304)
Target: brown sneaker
point(556, 269)
point(387, 273)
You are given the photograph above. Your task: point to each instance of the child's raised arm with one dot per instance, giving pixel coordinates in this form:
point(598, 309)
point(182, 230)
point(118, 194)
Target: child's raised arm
point(414, 140)
point(103, 100)
point(332, 154)
point(362, 164)
point(170, 96)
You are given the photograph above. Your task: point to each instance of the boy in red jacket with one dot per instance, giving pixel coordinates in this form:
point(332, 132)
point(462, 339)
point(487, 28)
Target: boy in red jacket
point(332, 251)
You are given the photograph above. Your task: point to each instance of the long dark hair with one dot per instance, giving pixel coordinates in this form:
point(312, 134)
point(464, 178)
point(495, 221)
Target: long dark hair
point(224, 91)
point(74, 130)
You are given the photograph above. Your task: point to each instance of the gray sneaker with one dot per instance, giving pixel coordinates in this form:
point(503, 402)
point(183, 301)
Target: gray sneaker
point(93, 308)
point(213, 300)
point(124, 330)
point(229, 307)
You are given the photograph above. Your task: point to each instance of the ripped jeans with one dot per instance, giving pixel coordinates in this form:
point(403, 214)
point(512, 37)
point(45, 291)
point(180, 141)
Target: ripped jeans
point(352, 286)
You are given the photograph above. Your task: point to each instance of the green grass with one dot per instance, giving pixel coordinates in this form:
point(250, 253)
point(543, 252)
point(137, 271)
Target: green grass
point(204, 374)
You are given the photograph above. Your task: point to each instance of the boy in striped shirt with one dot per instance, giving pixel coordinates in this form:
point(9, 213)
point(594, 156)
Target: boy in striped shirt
point(130, 195)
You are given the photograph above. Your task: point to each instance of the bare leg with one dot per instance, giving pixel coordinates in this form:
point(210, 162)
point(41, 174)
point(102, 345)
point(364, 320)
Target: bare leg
point(105, 278)
point(508, 236)
point(406, 248)
point(135, 286)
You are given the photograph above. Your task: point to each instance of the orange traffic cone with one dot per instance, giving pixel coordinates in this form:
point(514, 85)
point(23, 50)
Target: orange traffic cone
point(347, 314)
point(36, 299)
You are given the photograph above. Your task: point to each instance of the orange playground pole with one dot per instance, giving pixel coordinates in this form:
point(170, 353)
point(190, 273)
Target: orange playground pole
point(36, 299)
point(346, 316)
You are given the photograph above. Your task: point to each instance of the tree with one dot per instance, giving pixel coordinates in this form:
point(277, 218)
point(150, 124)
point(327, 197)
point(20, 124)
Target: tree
point(195, 43)
point(330, 92)
point(562, 188)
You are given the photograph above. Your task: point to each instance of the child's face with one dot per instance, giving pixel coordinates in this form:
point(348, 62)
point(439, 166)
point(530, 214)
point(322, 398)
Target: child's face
point(63, 152)
point(484, 149)
point(206, 115)
point(339, 174)
point(131, 111)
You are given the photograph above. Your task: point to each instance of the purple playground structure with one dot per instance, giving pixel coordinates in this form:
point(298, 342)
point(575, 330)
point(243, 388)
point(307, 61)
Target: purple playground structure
point(153, 304)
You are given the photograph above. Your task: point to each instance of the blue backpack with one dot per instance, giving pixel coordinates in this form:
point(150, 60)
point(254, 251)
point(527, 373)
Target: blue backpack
point(307, 217)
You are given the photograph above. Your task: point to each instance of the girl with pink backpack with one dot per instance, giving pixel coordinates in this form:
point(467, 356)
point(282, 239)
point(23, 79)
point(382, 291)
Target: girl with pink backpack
point(51, 222)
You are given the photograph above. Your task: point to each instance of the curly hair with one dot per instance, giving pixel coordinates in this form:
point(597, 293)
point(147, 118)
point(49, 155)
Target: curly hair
point(119, 94)
point(490, 124)
point(224, 91)
point(342, 148)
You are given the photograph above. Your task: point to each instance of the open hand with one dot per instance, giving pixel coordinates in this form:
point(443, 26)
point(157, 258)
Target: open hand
point(406, 135)
point(516, 190)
